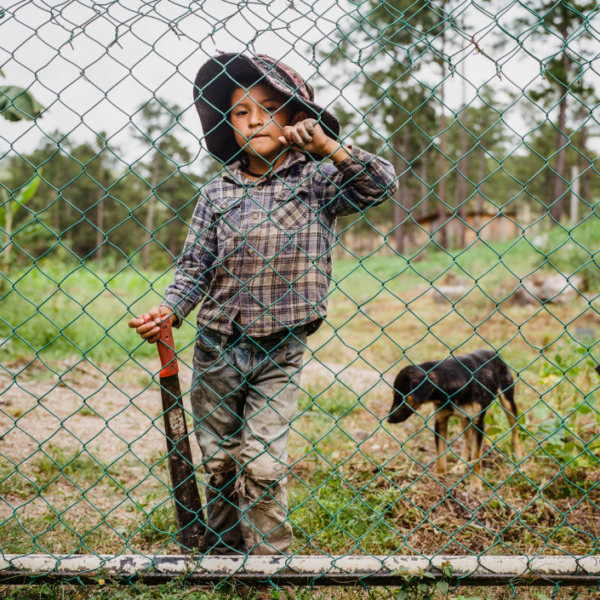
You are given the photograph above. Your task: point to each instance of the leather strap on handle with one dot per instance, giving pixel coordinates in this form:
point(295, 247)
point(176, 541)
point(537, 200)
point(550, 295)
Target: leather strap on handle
point(166, 348)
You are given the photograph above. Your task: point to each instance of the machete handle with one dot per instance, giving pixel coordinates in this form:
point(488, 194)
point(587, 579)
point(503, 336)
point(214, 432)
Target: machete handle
point(166, 348)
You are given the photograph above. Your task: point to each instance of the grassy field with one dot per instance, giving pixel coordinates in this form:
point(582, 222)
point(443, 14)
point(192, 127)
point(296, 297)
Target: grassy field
point(82, 466)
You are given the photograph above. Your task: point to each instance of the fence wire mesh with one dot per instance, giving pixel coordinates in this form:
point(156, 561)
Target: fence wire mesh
point(463, 218)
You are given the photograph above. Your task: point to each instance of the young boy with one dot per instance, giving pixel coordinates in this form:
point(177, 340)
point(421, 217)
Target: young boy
point(259, 258)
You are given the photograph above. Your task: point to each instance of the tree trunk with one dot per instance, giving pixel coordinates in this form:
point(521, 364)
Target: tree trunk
point(586, 166)
point(574, 209)
point(406, 194)
point(442, 229)
point(68, 215)
point(559, 186)
point(100, 224)
point(56, 217)
point(173, 243)
point(398, 198)
point(561, 147)
point(461, 174)
point(424, 186)
point(8, 218)
point(151, 204)
point(442, 187)
point(480, 178)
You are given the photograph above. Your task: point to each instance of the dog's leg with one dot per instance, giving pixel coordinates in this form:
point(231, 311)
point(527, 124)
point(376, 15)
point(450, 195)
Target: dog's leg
point(441, 440)
point(508, 403)
point(467, 446)
point(477, 449)
point(507, 389)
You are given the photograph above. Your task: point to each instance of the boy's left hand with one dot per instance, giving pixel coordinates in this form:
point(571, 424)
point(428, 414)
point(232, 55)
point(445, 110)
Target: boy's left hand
point(308, 136)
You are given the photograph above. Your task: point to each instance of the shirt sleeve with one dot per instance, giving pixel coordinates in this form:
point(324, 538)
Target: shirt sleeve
point(193, 271)
point(360, 181)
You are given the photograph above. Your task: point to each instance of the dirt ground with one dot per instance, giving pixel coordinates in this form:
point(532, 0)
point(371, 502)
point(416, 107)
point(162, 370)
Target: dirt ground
point(83, 466)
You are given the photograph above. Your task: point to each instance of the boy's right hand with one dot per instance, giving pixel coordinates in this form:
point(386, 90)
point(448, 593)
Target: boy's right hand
point(148, 325)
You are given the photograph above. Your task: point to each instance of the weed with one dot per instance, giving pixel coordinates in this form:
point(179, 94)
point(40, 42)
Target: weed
point(79, 467)
point(156, 521)
point(86, 411)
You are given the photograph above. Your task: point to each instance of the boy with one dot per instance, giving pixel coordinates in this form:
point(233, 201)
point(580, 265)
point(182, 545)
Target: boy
point(259, 257)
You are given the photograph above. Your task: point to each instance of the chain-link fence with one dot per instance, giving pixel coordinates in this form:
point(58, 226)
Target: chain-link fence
point(390, 345)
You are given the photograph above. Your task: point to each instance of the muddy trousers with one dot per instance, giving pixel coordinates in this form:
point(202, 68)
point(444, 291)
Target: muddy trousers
point(244, 397)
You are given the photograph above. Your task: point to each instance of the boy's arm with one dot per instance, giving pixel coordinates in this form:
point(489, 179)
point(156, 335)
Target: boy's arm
point(194, 265)
point(359, 179)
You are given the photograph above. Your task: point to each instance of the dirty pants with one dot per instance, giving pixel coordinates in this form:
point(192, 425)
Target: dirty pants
point(244, 397)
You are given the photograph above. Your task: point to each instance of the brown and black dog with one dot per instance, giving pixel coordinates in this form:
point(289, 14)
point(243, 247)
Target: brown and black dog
point(463, 387)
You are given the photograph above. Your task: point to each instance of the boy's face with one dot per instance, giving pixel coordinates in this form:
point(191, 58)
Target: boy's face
point(258, 117)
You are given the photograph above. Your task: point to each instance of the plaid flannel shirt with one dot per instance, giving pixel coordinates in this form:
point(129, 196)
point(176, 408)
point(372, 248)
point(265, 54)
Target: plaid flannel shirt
point(262, 251)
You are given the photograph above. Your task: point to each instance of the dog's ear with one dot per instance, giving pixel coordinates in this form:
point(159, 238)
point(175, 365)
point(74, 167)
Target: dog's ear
point(422, 387)
point(597, 369)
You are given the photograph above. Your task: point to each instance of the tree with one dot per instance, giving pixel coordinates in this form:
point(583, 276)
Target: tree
point(393, 39)
point(158, 121)
point(563, 70)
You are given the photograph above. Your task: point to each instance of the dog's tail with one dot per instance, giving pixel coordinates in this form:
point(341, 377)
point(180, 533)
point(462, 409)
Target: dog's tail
point(507, 391)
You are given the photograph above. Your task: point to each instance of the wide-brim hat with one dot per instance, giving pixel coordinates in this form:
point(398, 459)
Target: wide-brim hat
point(216, 81)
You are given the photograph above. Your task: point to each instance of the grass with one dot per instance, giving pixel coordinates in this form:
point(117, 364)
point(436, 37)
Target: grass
point(82, 467)
point(179, 591)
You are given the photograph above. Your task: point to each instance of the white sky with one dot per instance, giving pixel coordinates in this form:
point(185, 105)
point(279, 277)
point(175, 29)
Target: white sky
point(90, 84)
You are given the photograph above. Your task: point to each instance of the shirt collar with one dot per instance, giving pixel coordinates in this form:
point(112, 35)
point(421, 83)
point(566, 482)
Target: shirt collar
point(234, 171)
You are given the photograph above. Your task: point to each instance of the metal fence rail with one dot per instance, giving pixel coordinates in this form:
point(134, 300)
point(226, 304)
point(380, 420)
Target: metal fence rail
point(308, 570)
point(485, 239)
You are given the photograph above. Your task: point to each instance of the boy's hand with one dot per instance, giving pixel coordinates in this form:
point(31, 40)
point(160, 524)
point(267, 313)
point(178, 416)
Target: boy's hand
point(148, 325)
point(308, 136)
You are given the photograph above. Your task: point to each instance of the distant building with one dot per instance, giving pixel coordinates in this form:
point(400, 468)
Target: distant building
point(488, 226)
point(379, 238)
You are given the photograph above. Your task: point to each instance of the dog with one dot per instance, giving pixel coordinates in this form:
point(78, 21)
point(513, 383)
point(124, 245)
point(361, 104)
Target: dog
point(462, 387)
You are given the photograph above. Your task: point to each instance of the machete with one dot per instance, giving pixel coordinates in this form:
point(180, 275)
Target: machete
point(188, 509)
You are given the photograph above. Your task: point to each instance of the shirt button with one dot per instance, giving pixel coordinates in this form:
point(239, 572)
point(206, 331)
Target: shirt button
point(250, 251)
point(255, 216)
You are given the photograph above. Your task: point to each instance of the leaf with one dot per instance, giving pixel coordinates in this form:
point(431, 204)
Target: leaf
point(423, 587)
point(493, 430)
point(32, 229)
point(16, 104)
point(402, 595)
point(443, 587)
point(584, 408)
point(27, 192)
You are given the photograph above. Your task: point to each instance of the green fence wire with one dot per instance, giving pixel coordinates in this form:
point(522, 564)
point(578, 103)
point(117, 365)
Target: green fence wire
point(486, 238)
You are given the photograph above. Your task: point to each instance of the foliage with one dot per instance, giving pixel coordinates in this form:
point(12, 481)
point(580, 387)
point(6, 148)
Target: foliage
point(7, 211)
point(17, 103)
point(559, 434)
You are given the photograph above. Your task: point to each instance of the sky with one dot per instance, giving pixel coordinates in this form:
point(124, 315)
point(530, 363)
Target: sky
point(93, 65)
